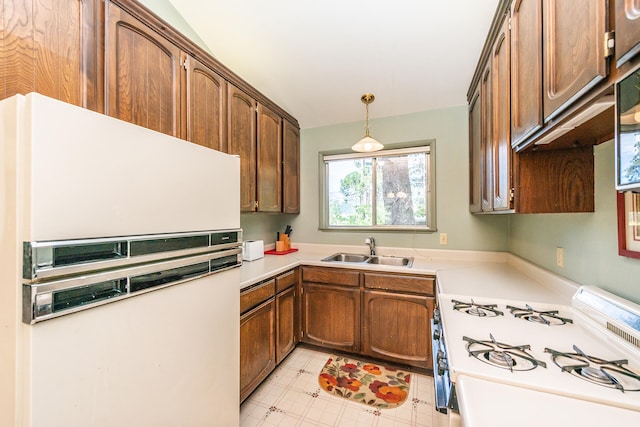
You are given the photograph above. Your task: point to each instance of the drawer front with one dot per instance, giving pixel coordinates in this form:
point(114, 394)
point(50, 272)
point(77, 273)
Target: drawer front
point(334, 276)
point(286, 280)
point(395, 282)
point(256, 296)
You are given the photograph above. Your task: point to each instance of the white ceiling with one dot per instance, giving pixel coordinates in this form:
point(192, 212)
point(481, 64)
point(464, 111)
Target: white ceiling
point(316, 58)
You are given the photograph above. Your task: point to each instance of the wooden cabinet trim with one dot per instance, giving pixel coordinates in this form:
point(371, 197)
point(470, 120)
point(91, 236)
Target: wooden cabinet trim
point(256, 295)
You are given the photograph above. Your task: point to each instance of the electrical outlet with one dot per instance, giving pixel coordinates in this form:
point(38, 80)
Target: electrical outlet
point(444, 239)
point(560, 257)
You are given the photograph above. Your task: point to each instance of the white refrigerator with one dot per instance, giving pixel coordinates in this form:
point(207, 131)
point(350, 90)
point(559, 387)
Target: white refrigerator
point(144, 332)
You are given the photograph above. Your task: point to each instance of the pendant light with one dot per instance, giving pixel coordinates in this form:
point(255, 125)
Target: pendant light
point(367, 144)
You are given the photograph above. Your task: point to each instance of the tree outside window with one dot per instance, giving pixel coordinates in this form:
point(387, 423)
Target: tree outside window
point(386, 189)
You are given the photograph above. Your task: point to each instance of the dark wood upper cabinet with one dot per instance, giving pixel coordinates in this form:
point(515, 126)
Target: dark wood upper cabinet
point(142, 74)
point(475, 156)
point(486, 140)
point(269, 160)
point(526, 69)
point(574, 55)
point(52, 47)
point(290, 168)
point(501, 119)
point(242, 142)
point(627, 30)
point(206, 111)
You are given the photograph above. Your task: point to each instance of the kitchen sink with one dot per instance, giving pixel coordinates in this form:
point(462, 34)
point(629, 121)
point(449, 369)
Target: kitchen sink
point(370, 259)
point(342, 257)
point(391, 260)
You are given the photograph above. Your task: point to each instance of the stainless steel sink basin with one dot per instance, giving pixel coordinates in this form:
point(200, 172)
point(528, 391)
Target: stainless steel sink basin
point(342, 257)
point(391, 260)
point(370, 259)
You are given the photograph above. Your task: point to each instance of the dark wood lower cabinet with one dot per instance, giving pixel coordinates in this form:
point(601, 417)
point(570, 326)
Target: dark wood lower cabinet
point(331, 316)
point(396, 327)
point(287, 324)
point(257, 346)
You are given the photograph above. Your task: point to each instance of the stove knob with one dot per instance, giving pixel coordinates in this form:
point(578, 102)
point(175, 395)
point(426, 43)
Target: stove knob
point(440, 356)
point(436, 334)
point(436, 316)
point(442, 367)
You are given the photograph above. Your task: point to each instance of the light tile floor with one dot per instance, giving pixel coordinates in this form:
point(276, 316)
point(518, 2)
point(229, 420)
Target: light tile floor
point(291, 396)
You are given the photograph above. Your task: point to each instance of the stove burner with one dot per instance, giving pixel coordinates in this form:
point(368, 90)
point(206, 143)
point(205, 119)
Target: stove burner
point(505, 356)
point(479, 310)
point(606, 373)
point(532, 315)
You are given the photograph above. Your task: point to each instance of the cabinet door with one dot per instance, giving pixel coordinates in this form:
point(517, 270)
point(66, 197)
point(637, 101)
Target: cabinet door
point(475, 156)
point(257, 346)
point(396, 327)
point(500, 69)
point(142, 74)
point(269, 150)
point(242, 142)
point(51, 47)
point(286, 325)
point(573, 46)
point(526, 69)
point(290, 168)
point(331, 316)
point(486, 140)
point(206, 112)
point(627, 30)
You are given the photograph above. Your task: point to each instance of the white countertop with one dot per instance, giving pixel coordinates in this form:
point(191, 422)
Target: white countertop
point(473, 273)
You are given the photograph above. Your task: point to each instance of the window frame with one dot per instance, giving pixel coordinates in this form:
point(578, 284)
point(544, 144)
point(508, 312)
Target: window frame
point(427, 146)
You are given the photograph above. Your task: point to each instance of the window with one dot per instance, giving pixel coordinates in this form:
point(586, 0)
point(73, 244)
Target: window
point(389, 189)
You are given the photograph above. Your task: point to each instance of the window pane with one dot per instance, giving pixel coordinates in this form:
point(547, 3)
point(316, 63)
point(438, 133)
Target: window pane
point(401, 190)
point(350, 192)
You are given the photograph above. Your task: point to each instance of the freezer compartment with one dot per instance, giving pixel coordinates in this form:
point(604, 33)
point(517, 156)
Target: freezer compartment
point(44, 301)
point(54, 259)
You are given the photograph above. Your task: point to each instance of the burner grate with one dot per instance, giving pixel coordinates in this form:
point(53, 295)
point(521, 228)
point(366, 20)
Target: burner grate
point(606, 373)
point(501, 355)
point(549, 317)
point(478, 310)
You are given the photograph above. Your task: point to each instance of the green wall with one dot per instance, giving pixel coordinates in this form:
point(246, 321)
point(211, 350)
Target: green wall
point(449, 129)
point(590, 241)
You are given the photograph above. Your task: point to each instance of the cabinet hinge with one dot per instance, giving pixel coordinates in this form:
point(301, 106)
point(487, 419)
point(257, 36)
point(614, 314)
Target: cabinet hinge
point(511, 194)
point(185, 64)
point(255, 205)
point(609, 43)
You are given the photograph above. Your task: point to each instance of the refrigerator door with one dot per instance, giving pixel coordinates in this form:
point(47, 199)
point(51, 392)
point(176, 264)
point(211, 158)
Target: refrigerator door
point(95, 176)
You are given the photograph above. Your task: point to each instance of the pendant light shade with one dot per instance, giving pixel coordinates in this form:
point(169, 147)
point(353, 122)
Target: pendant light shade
point(367, 144)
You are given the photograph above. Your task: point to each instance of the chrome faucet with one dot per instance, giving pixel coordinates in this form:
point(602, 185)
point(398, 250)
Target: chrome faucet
point(372, 245)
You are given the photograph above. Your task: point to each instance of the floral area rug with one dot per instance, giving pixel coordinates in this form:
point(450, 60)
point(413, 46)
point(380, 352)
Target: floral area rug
point(370, 384)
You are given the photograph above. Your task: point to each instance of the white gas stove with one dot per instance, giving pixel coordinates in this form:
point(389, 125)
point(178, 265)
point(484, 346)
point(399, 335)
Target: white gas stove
point(586, 355)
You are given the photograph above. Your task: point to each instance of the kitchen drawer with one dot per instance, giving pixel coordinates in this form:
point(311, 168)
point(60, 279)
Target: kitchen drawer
point(286, 280)
point(334, 276)
point(255, 296)
point(396, 282)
